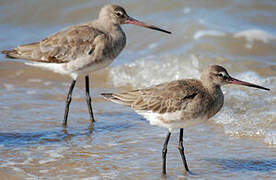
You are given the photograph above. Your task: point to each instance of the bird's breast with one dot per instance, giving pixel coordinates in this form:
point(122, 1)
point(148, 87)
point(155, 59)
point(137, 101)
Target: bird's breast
point(116, 46)
point(217, 104)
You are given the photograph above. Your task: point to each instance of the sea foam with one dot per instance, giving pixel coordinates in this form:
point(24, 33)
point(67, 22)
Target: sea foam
point(201, 33)
point(150, 71)
point(254, 35)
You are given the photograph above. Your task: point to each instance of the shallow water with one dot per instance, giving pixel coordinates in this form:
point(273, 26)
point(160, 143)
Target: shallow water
point(238, 143)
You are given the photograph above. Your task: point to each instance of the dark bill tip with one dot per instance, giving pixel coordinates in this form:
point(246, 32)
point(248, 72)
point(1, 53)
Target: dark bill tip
point(131, 20)
point(158, 29)
point(236, 81)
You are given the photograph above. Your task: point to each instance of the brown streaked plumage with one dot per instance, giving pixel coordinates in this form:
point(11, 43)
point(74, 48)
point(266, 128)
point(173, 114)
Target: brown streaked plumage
point(81, 49)
point(180, 103)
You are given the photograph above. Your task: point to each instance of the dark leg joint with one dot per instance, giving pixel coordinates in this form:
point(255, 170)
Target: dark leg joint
point(164, 153)
point(88, 99)
point(68, 101)
point(180, 146)
point(181, 150)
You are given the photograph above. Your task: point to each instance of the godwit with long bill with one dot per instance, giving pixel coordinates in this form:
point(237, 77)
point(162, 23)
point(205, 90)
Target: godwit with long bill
point(181, 103)
point(81, 49)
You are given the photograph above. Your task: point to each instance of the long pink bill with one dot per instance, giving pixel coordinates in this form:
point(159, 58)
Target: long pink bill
point(131, 20)
point(236, 81)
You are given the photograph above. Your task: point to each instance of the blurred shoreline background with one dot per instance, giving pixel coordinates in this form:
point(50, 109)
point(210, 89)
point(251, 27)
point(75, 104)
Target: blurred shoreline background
point(240, 35)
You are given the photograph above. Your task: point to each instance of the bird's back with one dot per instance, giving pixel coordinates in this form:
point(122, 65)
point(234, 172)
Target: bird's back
point(60, 47)
point(84, 48)
point(174, 102)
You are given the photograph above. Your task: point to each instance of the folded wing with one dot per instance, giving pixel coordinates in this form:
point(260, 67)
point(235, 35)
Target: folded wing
point(61, 47)
point(163, 98)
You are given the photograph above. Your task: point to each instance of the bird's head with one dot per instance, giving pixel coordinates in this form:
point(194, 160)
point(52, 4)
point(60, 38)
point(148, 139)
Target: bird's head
point(217, 75)
point(117, 15)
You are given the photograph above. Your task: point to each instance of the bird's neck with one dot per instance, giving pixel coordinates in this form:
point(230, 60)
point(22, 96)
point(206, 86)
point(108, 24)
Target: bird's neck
point(109, 28)
point(208, 83)
point(216, 94)
point(213, 89)
point(114, 33)
point(105, 25)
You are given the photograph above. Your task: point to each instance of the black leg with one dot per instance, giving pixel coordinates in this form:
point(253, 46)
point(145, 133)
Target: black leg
point(181, 150)
point(68, 101)
point(164, 152)
point(88, 99)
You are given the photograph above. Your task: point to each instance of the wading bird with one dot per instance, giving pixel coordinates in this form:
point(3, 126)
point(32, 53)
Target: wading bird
point(81, 49)
point(181, 103)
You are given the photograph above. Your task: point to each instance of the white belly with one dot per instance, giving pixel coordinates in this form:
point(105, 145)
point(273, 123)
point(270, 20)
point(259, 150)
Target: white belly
point(170, 120)
point(95, 67)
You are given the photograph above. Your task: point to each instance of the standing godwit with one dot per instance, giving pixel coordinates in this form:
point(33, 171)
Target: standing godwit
point(81, 49)
point(181, 103)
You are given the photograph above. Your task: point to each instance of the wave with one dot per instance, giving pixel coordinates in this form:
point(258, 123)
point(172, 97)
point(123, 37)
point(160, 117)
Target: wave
point(150, 71)
point(253, 35)
point(202, 33)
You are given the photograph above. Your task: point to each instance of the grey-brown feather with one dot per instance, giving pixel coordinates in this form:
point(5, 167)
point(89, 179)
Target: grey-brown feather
point(71, 43)
point(188, 96)
point(61, 47)
point(166, 97)
point(107, 95)
point(9, 53)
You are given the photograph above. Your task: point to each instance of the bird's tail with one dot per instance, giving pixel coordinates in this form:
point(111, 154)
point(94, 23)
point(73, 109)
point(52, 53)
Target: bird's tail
point(107, 95)
point(111, 97)
point(10, 53)
point(114, 98)
point(126, 99)
point(22, 52)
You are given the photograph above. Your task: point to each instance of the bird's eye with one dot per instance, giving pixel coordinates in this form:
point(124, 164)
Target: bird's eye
point(220, 75)
point(119, 14)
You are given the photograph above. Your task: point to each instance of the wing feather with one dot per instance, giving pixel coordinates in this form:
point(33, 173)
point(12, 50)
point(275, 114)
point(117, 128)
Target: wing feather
point(166, 97)
point(61, 47)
